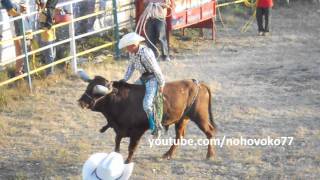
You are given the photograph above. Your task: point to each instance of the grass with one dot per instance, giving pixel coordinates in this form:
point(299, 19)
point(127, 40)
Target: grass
point(94, 41)
point(9, 95)
point(20, 175)
point(3, 132)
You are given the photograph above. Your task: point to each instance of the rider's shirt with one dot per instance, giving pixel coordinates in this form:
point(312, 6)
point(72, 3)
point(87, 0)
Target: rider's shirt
point(146, 56)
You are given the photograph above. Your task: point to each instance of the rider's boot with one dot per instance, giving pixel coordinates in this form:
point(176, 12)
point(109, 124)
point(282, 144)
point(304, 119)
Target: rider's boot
point(155, 130)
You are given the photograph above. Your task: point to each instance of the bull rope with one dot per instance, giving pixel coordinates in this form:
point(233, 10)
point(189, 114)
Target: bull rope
point(194, 97)
point(94, 101)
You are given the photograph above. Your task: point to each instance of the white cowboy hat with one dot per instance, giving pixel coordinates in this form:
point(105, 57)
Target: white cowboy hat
point(130, 39)
point(103, 166)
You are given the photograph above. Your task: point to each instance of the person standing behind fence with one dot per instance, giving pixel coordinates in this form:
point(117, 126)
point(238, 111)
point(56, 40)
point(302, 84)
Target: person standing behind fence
point(156, 26)
point(50, 6)
point(9, 6)
point(48, 37)
point(84, 8)
point(14, 10)
point(263, 10)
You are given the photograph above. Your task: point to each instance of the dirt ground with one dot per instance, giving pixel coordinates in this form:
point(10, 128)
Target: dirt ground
point(263, 86)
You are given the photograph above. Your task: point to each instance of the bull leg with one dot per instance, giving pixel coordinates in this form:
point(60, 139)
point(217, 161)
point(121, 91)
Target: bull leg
point(184, 129)
point(209, 131)
point(180, 132)
point(132, 146)
point(118, 141)
point(104, 128)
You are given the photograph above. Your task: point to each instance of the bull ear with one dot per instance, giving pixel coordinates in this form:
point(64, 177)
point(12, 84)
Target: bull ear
point(101, 90)
point(83, 75)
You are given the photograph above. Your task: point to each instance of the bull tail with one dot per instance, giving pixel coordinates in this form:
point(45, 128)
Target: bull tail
point(209, 109)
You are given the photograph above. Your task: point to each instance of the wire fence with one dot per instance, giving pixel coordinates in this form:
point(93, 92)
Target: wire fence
point(112, 11)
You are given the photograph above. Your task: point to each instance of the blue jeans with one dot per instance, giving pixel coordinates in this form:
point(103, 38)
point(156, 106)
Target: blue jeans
point(48, 56)
point(156, 32)
point(151, 91)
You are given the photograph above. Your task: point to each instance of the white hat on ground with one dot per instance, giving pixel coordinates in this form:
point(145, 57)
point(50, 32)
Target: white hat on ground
point(130, 39)
point(103, 166)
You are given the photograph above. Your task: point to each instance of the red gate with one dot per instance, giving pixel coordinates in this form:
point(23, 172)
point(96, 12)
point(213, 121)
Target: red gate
point(187, 14)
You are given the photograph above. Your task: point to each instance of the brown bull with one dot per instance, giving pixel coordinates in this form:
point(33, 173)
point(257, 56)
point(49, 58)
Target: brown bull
point(121, 104)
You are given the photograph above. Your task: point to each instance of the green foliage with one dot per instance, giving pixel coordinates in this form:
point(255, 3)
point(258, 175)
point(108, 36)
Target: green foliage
point(3, 98)
point(94, 41)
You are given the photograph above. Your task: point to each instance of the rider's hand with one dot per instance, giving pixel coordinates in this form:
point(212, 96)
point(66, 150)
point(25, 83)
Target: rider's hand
point(122, 81)
point(161, 89)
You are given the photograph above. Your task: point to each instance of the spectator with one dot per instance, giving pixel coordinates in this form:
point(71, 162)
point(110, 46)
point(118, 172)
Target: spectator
point(62, 33)
point(263, 11)
point(10, 7)
point(47, 38)
point(50, 6)
point(13, 11)
point(156, 27)
point(83, 8)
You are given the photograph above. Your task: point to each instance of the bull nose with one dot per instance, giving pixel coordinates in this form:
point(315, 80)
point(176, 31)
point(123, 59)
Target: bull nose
point(82, 104)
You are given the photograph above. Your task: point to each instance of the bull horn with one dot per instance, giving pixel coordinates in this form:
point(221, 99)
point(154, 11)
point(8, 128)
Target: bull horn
point(102, 90)
point(83, 75)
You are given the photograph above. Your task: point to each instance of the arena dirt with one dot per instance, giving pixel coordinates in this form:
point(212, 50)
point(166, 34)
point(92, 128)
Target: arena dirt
point(263, 86)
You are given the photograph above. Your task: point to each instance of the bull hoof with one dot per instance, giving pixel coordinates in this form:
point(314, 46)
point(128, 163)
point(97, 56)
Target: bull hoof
point(127, 161)
point(210, 157)
point(167, 156)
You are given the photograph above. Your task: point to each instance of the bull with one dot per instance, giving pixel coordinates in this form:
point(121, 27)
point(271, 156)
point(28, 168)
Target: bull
point(121, 105)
